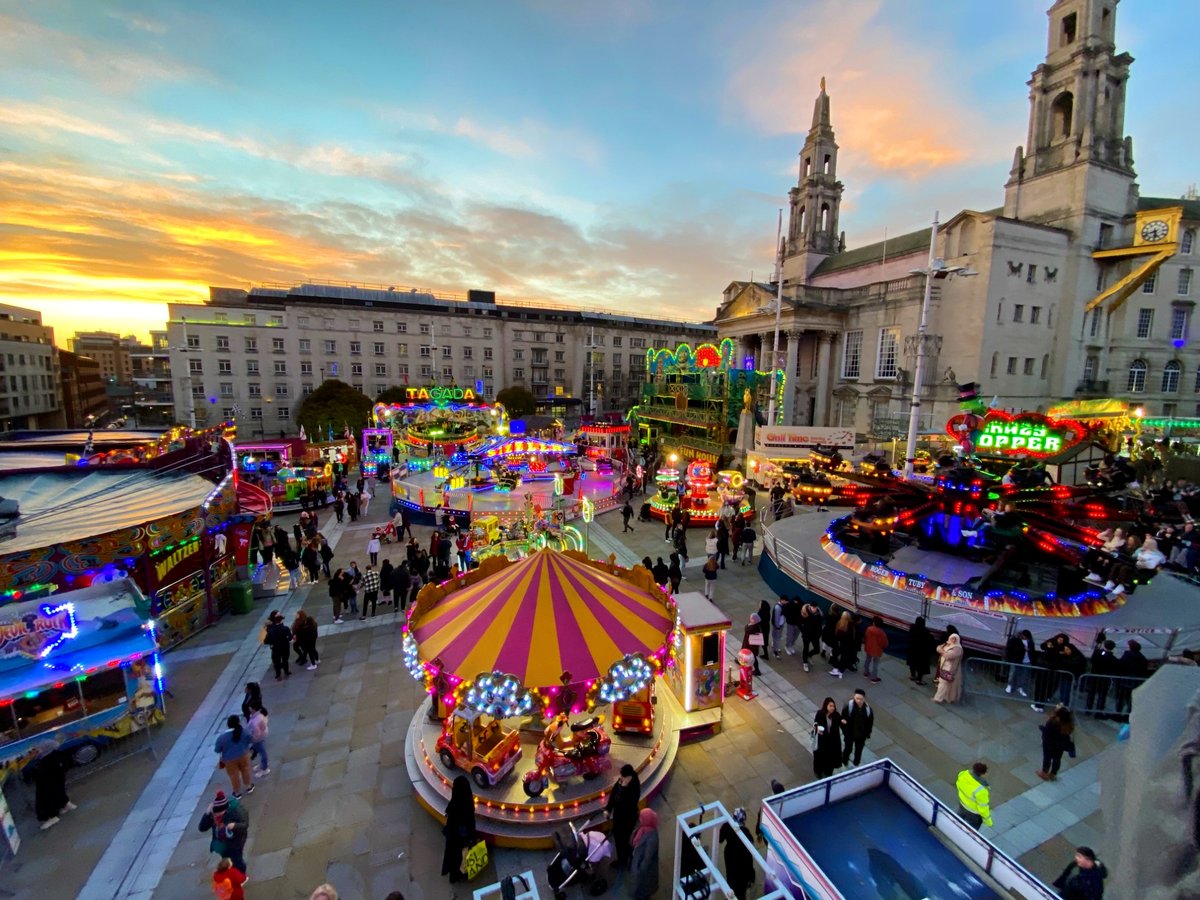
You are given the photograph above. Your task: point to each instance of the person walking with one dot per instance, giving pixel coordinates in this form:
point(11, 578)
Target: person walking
point(291, 562)
point(370, 586)
point(722, 541)
point(949, 684)
point(739, 863)
point(298, 534)
point(735, 536)
point(753, 638)
point(311, 560)
point(858, 720)
point(811, 624)
point(233, 752)
point(661, 573)
point(875, 641)
point(1019, 653)
point(1057, 738)
point(364, 500)
point(352, 578)
point(339, 506)
point(279, 639)
point(844, 640)
point(251, 698)
point(227, 881)
point(710, 578)
point(229, 823)
point(622, 810)
point(281, 538)
point(1083, 878)
point(352, 507)
point(50, 800)
point(373, 547)
point(974, 799)
point(920, 650)
point(405, 524)
point(644, 855)
point(681, 547)
point(674, 573)
point(459, 829)
point(626, 515)
point(306, 639)
point(337, 588)
point(326, 553)
point(257, 728)
point(710, 544)
point(778, 621)
point(827, 745)
point(747, 544)
point(387, 581)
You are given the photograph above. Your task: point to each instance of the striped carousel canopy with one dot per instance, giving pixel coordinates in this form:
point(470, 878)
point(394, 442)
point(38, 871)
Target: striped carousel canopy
point(543, 616)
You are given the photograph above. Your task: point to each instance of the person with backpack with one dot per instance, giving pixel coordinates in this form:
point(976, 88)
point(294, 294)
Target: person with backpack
point(710, 577)
point(229, 823)
point(257, 728)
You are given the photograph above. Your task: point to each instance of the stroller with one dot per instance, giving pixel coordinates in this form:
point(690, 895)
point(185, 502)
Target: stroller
point(580, 850)
point(644, 512)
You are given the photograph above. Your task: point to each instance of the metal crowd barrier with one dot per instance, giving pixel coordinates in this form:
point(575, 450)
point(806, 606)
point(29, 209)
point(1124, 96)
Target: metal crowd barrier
point(1109, 695)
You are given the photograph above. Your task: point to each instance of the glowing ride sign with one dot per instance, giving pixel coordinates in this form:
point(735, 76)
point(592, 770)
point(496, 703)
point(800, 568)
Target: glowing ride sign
point(1024, 434)
point(441, 394)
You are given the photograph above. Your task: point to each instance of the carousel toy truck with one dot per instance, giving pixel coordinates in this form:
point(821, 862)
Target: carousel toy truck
point(479, 745)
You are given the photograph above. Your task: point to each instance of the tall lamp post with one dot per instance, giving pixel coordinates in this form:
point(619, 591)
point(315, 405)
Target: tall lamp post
point(778, 309)
point(936, 269)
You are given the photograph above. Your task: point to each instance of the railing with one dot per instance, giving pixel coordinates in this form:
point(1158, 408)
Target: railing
point(1088, 693)
point(982, 630)
point(703, 877)
point(1090, 386)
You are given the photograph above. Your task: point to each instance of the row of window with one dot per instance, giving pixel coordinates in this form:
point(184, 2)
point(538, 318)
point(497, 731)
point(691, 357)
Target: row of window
point(1019, 310)
point(279, 344)
point(1139, 376)
point(1183, 286)
point(886, 359)
point(1027, 367)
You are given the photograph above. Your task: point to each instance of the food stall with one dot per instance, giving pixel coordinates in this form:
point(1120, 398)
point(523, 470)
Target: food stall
point(697, 681)
point(79, 669)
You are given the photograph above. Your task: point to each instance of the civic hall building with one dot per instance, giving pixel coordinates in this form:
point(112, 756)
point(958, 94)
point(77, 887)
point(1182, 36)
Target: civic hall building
point(1082, 287)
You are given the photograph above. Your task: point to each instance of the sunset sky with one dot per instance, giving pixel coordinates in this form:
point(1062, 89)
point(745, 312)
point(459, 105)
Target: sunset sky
point(624, 155)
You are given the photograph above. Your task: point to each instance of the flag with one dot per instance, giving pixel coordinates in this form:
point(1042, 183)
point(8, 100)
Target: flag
point(303, 436)
point(346, 432)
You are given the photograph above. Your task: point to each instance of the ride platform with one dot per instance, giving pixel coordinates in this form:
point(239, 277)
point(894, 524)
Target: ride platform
point(504, 813)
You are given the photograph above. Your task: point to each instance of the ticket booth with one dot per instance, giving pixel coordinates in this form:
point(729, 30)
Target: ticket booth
point(697, 682)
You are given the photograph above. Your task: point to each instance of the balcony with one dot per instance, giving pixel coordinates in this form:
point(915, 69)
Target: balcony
point(1089, 387)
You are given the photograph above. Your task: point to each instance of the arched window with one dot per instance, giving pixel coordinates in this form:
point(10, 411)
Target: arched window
point(800, 219)
point(1137, 377)
point(1061, 111)
point(824, 216)
point(1170, 377)
point(1189, 238)
point(995, 362)
point(828, 169)
point(807, 166)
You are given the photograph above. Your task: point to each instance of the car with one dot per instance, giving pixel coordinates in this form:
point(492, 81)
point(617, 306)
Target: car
point(479, 745)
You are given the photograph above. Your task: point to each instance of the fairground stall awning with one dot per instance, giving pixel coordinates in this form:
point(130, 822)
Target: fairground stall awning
point(541, 617)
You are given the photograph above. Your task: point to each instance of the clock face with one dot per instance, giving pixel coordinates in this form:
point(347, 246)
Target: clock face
point(1154, 231)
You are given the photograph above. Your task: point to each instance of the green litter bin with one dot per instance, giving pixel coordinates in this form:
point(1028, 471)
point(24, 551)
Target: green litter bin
point(241, 597)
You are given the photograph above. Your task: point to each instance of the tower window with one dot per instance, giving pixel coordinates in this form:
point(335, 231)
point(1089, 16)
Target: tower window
point(1061, 111)
point(824, 216)
point(807, 166)
point(1069, 24)
point(828, 167)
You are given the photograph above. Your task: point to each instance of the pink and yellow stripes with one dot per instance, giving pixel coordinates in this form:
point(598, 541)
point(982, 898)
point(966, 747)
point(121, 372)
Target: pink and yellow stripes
point(540, 617)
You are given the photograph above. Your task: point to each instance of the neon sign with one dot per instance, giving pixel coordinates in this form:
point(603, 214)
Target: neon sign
point(36, 634)
point(440, 394)
point(1024, 434)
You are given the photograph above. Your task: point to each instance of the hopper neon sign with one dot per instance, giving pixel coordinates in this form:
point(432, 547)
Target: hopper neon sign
point(1024, 434)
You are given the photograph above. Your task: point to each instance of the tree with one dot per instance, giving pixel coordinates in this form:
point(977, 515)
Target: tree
point(335, 405)
point(518, 401)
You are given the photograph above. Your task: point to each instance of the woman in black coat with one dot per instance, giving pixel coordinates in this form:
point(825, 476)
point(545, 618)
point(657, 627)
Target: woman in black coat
point(739, 864)
point(622, 808)
point(828, 728)
point(920, 651)
point(764, 616)
point(459, 829)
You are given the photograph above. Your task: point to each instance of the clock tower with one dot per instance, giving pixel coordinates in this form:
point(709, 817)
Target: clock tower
point(813, 203)
point(1077, 158)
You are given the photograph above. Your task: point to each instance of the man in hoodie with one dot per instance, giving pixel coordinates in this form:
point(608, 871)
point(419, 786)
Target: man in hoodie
point(858, 719)
point(1083, 878)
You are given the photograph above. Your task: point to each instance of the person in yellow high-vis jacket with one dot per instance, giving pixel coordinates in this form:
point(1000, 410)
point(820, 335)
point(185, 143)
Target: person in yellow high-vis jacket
point(974, 801)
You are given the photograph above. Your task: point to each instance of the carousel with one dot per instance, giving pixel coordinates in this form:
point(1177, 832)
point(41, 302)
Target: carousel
point(542, 678)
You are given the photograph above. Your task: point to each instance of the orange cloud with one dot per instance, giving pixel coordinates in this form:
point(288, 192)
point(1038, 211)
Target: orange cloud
point(894, 109)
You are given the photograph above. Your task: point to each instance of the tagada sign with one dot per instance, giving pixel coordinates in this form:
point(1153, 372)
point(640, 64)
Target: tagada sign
point(441, 394)
point(1023, 434)
point(777, 440)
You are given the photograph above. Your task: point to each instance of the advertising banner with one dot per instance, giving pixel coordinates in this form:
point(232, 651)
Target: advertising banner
point(794, 441)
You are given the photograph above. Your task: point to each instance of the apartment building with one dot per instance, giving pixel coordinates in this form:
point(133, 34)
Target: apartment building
point(257, 353)
point(83, 395)
point(29, 384)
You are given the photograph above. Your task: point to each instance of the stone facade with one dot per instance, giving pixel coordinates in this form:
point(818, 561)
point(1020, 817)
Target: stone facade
point(262, 351)
point(1068, 297)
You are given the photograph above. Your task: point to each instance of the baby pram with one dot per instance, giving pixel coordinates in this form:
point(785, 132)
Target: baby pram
point(580, 850)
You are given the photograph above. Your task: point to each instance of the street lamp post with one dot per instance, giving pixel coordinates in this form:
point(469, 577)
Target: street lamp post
point(778, 309)
point(936, 268)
